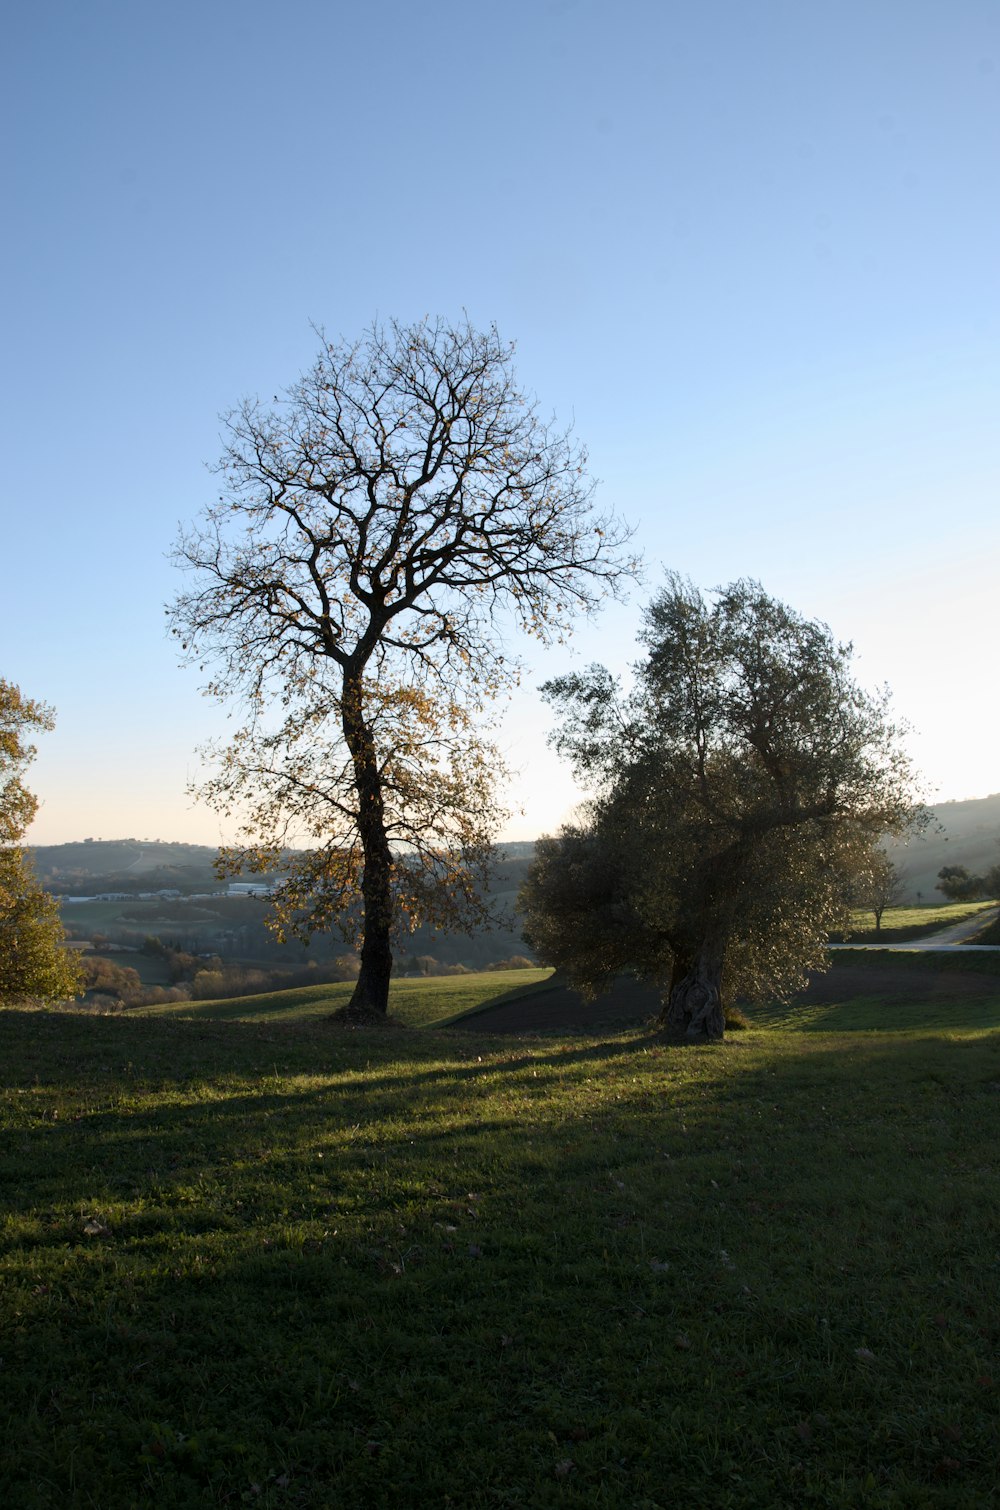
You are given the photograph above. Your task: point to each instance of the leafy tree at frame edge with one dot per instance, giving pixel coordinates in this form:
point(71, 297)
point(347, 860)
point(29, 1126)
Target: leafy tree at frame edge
point(737, 793)
point(378, 533)
point(33, 961)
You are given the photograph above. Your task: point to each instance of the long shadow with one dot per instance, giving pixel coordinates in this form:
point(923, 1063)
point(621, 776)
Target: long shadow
point(161, 1146)
point(369, 1332)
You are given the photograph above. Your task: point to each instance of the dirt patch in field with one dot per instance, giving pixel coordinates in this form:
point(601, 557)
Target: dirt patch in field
point(899, 985)
point(557, 1009)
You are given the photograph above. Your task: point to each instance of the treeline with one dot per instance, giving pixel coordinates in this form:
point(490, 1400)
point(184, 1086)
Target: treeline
point(426, 964)
point(110, 986)
point(960, 885)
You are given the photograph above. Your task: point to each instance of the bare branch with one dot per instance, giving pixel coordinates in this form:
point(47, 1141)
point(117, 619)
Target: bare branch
point(374, 533)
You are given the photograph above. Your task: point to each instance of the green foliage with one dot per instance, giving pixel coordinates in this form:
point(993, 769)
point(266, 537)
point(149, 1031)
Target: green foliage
point(958, 885)
point(243, 1265)
point(33, 962)
point(878, 884)
point(738, 792)
point(20, 717)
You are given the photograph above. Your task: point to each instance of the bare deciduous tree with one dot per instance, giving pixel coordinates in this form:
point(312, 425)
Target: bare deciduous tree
point(881, 884)
point(377, 535)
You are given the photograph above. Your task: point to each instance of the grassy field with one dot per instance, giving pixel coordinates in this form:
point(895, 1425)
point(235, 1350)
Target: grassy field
point(267, 1262)
point(416, 1003)
point(900, 924)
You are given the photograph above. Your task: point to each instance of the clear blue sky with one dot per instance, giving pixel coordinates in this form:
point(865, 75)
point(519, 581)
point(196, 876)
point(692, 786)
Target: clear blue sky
point(752, 251)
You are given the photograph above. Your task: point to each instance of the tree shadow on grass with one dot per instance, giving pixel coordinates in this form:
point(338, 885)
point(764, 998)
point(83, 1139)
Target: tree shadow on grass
point(153, 1147)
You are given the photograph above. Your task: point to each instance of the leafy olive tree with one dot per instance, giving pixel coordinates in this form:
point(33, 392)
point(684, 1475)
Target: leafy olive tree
point(737, 790)
point(33, 962)
point(378, 534)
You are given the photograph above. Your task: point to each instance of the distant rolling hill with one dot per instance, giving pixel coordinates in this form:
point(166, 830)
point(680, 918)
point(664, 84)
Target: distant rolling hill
point(963, 833)
point(94, 865)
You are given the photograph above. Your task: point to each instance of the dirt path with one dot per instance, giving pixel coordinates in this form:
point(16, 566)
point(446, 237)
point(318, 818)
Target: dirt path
point(948, 938)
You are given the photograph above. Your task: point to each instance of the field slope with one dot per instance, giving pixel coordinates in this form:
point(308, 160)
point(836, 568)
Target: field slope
point(271, 1263)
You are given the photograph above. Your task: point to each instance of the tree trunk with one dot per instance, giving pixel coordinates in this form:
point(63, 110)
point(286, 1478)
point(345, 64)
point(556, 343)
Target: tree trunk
point(370, 999)
point(693, 1012)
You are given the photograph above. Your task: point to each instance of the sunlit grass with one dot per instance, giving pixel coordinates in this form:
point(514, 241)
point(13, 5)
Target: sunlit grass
point(879, 1014)
point(901, 923)
point(267, 1262)
point(416, 1002)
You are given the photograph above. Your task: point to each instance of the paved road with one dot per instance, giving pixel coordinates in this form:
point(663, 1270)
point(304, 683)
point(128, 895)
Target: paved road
point(949, 939)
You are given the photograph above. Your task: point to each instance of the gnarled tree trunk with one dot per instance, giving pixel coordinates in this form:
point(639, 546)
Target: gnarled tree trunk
point(693, 1012)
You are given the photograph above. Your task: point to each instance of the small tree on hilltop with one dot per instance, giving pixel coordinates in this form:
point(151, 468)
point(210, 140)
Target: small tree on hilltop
point(33, 961)
point(377, 535)
point(737, 792)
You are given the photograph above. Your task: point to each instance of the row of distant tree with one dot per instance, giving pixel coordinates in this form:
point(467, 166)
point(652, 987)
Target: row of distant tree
point(109, 984)
point(959, 884)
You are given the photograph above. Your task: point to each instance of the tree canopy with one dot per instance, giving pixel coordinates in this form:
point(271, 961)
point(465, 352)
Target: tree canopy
point(736, 791)
point(379, 533)
point(880, 884)
point(959, 884)
point(33, 962)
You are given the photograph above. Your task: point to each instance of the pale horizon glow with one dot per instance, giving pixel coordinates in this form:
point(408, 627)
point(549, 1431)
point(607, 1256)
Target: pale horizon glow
point(750, 253)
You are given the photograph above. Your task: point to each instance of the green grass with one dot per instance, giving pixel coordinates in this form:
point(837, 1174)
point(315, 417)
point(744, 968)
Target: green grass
point(416, 1003)
point(90, 915)
point(891, 1010)
point(900, 924)
point(880, 1014)
point(273, 1263)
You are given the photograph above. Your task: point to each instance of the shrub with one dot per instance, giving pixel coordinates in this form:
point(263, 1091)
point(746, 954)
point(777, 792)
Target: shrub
point(516, 962)
point(105, 978)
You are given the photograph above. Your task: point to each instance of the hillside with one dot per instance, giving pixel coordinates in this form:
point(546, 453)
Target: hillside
point(96, 865)
point(233, 927)
point(963, 833)
point(272, 1264)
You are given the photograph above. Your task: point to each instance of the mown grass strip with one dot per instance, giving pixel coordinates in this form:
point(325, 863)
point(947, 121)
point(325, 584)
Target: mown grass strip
point(275, 1264)
point(903, 924)
point(417, 1002)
